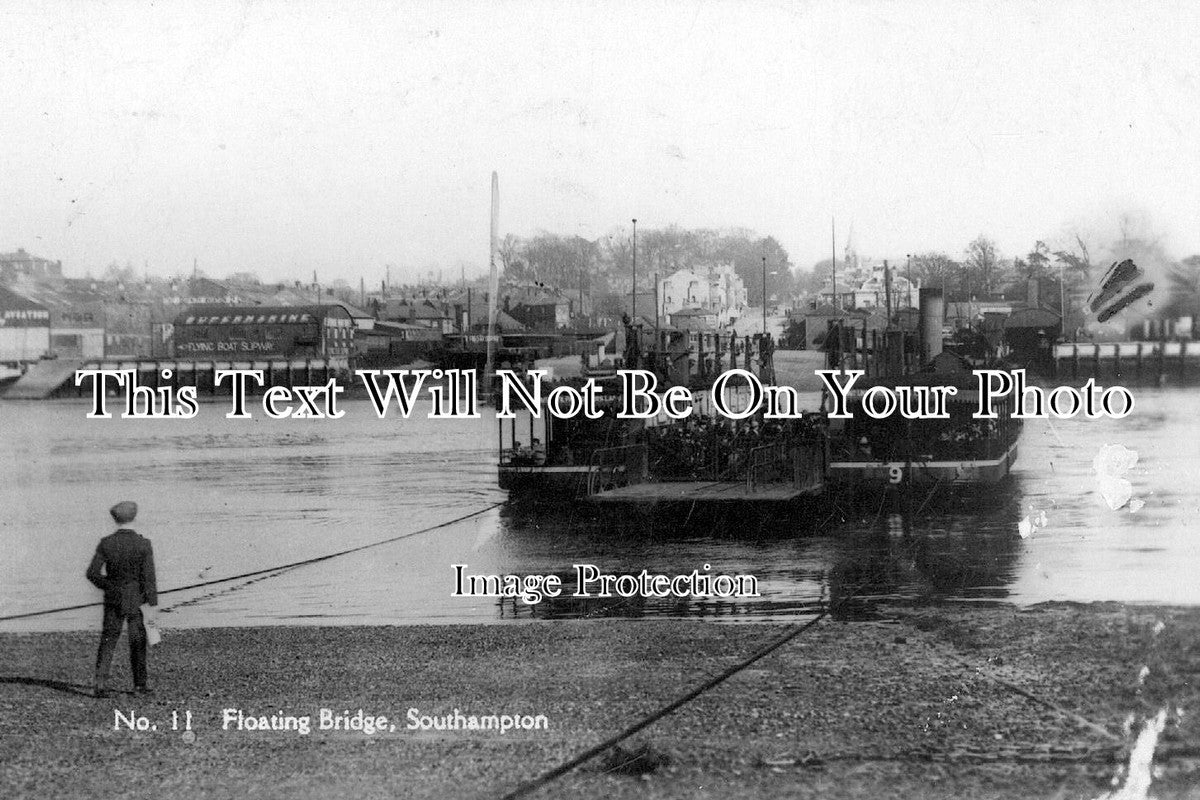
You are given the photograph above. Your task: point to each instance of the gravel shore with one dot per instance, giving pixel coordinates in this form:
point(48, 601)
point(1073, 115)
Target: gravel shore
point(935, 702)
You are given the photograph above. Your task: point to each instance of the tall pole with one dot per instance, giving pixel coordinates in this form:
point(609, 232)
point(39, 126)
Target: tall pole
point(1062, 303)
point(887, 293)
point(833, 252)
point(764, 295)
point(656, 309)
point(908, 276)
point(493, 285)
point(633, 291)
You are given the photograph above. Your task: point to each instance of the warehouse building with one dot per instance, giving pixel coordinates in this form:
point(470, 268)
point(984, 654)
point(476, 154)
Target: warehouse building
point(314, 331)
point(24, 328)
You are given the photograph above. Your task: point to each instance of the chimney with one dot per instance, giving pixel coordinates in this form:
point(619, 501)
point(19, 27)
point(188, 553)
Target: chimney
point(933, 313)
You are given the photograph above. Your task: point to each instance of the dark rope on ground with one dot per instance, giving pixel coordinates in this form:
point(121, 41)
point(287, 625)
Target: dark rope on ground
point(547, 777)
point(201, 598)
point(529, 787)
point(1079, 719)
point(278, 568)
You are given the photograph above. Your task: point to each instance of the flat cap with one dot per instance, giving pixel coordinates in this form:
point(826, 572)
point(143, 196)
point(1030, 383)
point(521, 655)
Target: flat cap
point(124, 511)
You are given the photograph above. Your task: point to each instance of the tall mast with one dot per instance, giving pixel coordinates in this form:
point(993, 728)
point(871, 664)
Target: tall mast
point(833, 252)
point(633, 291)
point(493, 284)
point(887, 294)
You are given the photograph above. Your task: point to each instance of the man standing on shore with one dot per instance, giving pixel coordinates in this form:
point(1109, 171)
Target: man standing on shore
point(123, 567)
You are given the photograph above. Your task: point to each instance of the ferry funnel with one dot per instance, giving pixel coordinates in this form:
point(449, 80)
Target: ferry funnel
point(933, 316)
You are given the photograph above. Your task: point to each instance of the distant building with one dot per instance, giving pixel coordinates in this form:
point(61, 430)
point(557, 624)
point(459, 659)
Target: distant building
point(545, 312)
point(424, 312)
point(694, 319)
point(859, 289)
point(203, 291)
point(363, 321)
point(24, 328)
point(123, 312)
point(715, 288)
point(26, 264)
point(77, 332)
point(971, 314)
point(504, 324)
point(816, 323)
point(315, 331)
point(85, 314)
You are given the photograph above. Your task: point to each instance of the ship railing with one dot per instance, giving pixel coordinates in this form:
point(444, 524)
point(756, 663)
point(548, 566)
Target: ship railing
point(799, 463)
point(710, 461)
point(768, 463)
point(986, 448)
point(614, 467)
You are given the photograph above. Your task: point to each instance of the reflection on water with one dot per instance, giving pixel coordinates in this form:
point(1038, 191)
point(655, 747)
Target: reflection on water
point(951, 551)
point(222, 497)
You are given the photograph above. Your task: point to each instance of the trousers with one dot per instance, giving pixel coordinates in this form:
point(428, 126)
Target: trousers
point(114, 620)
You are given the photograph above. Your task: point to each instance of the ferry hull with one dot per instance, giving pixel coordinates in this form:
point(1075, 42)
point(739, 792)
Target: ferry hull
point(545, 484)
point(882, 474)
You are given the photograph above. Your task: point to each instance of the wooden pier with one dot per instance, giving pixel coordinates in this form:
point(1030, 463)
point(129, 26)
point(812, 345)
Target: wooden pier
point(1138, 361)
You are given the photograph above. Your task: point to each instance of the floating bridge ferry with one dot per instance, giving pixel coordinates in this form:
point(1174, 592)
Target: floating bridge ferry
point(758, 462)
point(704, 459)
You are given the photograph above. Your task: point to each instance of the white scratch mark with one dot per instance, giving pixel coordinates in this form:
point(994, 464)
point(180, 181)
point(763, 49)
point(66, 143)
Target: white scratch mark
point(1143, 673)
point(1032, 523)
point(1141, 761)
point(1111, 463)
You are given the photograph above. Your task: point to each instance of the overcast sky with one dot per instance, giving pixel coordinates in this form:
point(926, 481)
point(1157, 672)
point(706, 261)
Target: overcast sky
point(286, 138)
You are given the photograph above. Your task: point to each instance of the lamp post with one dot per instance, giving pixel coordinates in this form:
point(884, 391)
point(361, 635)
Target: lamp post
point(908, 276)
point(764, 296)
point(1062, 303)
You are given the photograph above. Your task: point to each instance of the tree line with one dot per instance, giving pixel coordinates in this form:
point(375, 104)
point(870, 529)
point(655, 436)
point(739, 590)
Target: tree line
point(1078, 260)
point(605, 265)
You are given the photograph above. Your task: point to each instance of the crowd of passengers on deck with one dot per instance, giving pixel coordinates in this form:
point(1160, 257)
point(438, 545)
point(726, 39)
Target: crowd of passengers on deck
point(716, 449)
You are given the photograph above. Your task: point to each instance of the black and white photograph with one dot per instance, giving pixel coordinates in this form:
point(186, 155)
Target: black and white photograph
point(601, 399)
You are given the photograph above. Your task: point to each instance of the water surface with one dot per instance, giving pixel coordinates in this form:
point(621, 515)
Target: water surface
point(222, 497)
